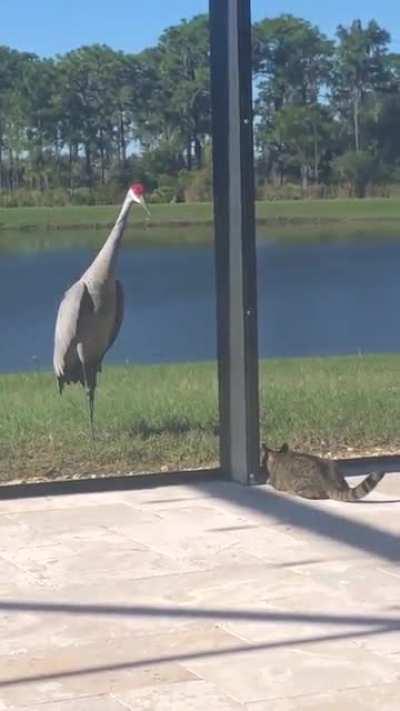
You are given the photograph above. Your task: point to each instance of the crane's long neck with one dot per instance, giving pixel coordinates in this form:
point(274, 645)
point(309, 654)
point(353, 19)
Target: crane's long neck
point(104, 264)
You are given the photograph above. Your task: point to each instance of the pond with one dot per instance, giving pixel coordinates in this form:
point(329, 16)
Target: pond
point(326, 298)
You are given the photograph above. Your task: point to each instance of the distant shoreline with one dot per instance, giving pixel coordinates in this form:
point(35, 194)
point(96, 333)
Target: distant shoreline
point(277, 214)
point(264, 221)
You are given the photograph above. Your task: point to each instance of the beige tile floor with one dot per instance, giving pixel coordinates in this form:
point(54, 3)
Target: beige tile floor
point(205, 597)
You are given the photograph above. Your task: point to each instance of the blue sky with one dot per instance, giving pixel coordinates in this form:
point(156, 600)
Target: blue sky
point(49, 27)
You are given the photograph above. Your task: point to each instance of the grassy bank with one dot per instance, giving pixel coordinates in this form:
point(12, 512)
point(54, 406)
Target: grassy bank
point(273, 213)
point(25, 242)
point(152, 418)
point(34, 229)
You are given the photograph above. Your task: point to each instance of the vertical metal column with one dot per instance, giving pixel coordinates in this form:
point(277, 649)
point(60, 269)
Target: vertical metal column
point(232, 119)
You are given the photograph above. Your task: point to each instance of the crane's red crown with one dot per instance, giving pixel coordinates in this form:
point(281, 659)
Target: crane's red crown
point(138, 189)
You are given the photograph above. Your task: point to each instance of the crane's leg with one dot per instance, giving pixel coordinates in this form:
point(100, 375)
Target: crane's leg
point(89, 376)
point(90, 394)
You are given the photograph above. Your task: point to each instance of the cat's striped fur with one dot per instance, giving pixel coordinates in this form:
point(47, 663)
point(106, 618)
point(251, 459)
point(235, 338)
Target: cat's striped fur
point(312, 477)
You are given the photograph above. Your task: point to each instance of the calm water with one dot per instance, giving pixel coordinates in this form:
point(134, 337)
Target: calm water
point(314, 299)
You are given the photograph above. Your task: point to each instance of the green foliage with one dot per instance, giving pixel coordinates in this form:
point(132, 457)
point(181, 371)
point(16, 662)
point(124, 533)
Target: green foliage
point(293, 62)
point(173, 117)
point(184, 73)
point(361, 70)
point(169, 189)
point(299, 133)
point(81, 126)
point(56, 197)
point(358, 169)
point(292, 58)
point(198, 187)
point(198, 183)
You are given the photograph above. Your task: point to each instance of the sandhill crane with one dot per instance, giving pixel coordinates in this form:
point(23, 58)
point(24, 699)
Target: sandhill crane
point(90, 314)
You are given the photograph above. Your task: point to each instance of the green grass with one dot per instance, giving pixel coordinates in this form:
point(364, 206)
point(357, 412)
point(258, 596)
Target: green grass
point(34, 229)
point(165, 417)
point(275, 212)
point(367, 209)
point(98, 216)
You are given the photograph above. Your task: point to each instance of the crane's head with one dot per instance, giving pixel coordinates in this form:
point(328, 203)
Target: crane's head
point(136, 193)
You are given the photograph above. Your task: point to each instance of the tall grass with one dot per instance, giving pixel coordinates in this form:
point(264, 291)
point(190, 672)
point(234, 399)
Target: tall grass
point(165, 417)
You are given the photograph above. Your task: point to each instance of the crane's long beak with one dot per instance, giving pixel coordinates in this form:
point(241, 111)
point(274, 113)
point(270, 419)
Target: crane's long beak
point(144, 206)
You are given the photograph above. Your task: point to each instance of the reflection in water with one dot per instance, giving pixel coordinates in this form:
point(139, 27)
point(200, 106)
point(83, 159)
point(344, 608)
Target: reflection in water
point(314, 299)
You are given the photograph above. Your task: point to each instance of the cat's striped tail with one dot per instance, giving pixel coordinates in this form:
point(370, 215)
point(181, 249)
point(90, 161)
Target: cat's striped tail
point(361, 490)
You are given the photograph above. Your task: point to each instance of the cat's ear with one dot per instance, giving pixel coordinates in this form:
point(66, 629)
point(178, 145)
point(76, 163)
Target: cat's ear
point(285, 448)
point(265, 451)
point(264, 461)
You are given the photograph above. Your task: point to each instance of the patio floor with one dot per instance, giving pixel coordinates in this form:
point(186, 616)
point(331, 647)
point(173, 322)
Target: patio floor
point(205, 597)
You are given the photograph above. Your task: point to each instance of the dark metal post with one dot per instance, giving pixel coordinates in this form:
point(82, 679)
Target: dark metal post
point(231, 89)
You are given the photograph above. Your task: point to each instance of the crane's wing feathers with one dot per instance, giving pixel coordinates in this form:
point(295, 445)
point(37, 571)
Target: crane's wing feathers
point(75, 304)
point(119, 314)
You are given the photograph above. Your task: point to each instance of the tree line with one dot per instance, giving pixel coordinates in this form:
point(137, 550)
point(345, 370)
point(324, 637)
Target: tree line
point(77, 127)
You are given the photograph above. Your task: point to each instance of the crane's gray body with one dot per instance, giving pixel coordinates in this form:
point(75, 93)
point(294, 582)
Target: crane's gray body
point(90, 315)
point(88, 322)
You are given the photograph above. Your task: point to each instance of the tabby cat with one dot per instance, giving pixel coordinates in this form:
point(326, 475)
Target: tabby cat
point(312, 477)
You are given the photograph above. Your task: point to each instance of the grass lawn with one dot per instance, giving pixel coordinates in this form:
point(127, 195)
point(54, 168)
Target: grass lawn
point(309, 211)
point(165, 417)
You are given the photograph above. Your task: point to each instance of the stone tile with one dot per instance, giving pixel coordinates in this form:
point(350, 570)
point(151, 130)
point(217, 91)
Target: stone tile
point(69, 525)
point(205, 552)
point(322, 616)
point(108, 665)
point(188, 534)
point(336, 571)
point(165, 497)
point(287, 633)
point(272, 545)
point(19, 632)
point(290, 672)
point(13, 580)
point(58, 503)
point(290, 514)
point(182, 696)
point(391, 574)
point(217, 594)
point(104, 702)
point(384, 697)
point(53, 566)
point(196, 517)
point(204, 548)
point(24, 632)
point(389, 487)
point(104, 681)
point(150, 499)
point(220, 586)
point(350, 585)
point(386, 642)
point(239, 587)
point(219, 590)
